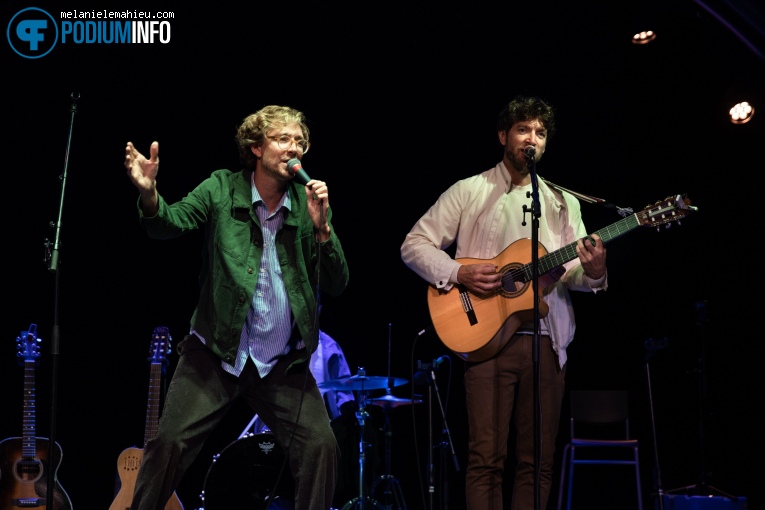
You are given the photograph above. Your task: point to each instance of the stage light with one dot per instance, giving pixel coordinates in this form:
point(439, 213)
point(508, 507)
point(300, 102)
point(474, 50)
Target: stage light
point(742, 97)
point(644, 37)
point(741, 113)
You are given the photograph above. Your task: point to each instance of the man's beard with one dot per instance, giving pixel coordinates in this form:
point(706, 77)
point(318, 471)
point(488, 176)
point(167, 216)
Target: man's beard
point(518, 163)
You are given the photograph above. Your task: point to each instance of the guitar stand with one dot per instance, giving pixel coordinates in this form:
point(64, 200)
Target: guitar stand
point(362, 501)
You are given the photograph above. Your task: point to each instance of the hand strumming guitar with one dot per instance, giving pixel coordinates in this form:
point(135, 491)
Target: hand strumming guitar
point(480, 279)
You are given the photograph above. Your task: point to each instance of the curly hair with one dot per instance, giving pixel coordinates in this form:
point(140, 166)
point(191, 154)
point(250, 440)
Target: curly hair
point(523, 108)
point(254, 127)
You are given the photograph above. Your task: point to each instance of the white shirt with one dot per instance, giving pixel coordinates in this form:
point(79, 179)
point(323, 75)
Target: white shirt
point(481, 214)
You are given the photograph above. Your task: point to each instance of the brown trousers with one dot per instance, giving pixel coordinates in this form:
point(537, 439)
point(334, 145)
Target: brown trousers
point(498, 390)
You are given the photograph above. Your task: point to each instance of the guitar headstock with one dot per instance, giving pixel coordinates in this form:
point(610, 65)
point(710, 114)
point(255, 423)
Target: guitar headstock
point(28, 345)
point(665, 212)
point(160, 345)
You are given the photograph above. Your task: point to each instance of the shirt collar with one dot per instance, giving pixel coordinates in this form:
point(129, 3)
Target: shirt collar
point(544, 188)
point(505, 173)
point(284, 202)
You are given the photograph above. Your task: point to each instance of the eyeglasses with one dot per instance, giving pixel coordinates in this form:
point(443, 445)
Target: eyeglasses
point(286, 141)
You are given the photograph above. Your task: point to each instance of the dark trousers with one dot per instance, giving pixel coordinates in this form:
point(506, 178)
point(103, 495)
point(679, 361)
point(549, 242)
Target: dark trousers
point(199, 396)
point(497, 390)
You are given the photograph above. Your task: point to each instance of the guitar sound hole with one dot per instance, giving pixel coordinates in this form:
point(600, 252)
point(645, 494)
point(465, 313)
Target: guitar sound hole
point(511, 287)
point(28, 470)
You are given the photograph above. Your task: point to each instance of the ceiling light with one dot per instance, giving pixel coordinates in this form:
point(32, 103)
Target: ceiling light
point(741, 113)
point(644, 37)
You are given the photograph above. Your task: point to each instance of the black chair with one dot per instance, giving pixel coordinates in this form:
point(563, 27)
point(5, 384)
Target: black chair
point(599, 435)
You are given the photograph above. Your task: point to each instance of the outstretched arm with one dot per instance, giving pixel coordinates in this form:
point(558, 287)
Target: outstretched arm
point(143, 173)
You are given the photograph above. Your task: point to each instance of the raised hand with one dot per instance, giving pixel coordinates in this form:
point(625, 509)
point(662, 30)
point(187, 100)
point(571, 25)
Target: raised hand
point(142, 171)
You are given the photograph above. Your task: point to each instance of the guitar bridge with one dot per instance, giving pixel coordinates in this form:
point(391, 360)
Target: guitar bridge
point(467, 306)
point(29, 502)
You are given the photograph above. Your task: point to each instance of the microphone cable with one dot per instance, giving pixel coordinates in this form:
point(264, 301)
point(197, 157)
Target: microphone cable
point(316, 334)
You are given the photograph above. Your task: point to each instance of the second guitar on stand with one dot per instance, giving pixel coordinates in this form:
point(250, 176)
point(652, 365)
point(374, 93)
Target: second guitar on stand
point(130, 459)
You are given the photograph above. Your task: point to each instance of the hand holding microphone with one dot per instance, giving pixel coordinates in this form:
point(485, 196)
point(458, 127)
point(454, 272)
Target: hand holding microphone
point(318, 197)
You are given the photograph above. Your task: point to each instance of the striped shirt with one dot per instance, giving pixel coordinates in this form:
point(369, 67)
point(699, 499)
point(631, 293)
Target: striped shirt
point(268, 326)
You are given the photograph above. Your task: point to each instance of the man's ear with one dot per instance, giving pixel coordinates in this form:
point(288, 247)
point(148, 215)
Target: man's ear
point(257, 150)
point(502, 136)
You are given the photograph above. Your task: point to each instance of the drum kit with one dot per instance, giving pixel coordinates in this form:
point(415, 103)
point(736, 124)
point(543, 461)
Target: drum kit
point(363, 383)
point(245, 473)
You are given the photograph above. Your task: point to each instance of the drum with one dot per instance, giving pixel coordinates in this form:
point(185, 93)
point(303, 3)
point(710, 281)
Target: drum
point(244, 474)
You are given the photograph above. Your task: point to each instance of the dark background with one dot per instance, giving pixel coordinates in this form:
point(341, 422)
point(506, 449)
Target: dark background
point(401, 101)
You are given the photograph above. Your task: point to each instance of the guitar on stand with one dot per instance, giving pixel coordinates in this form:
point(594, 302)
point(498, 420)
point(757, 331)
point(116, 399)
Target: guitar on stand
point(130, 459)
point(24, 460)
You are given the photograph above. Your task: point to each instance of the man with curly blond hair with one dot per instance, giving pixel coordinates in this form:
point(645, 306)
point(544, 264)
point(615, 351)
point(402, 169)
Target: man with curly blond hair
point(269, 249)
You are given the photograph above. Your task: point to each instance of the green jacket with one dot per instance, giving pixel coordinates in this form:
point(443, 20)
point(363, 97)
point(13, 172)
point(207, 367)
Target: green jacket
point(223, 202)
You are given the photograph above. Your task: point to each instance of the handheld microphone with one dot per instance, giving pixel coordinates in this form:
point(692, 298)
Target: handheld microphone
point(529, 151)
point(295, 168)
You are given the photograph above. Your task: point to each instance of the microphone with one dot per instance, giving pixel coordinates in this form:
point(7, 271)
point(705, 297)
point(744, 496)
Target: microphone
point(529, 151)
point(425, 330)
point(422, 375)
point(655, 345)
point(295, 168)
point(437, 363)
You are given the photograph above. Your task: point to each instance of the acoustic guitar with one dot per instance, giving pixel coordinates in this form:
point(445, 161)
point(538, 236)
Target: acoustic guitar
point(24, 461)
point(478, 327)
point(130, 459)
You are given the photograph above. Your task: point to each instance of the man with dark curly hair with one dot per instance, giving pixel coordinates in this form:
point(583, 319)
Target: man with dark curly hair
point(489, 217)
point(270, 248)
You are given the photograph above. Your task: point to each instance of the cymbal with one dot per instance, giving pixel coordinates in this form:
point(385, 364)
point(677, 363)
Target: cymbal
point(391, 401)
point(362, 383)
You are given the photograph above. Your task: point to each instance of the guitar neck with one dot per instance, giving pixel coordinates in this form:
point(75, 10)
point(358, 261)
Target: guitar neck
point(568, 252)
point(29, 436)
point(160, 344)
point(152, 408)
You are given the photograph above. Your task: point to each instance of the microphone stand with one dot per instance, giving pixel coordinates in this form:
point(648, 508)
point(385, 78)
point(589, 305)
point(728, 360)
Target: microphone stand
point(651, 347)
point(536, 350)
point(702, 487)
point(431, 446)
point(391, 487)
point(52, 259)
point(446, 441)
point(433, 387)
